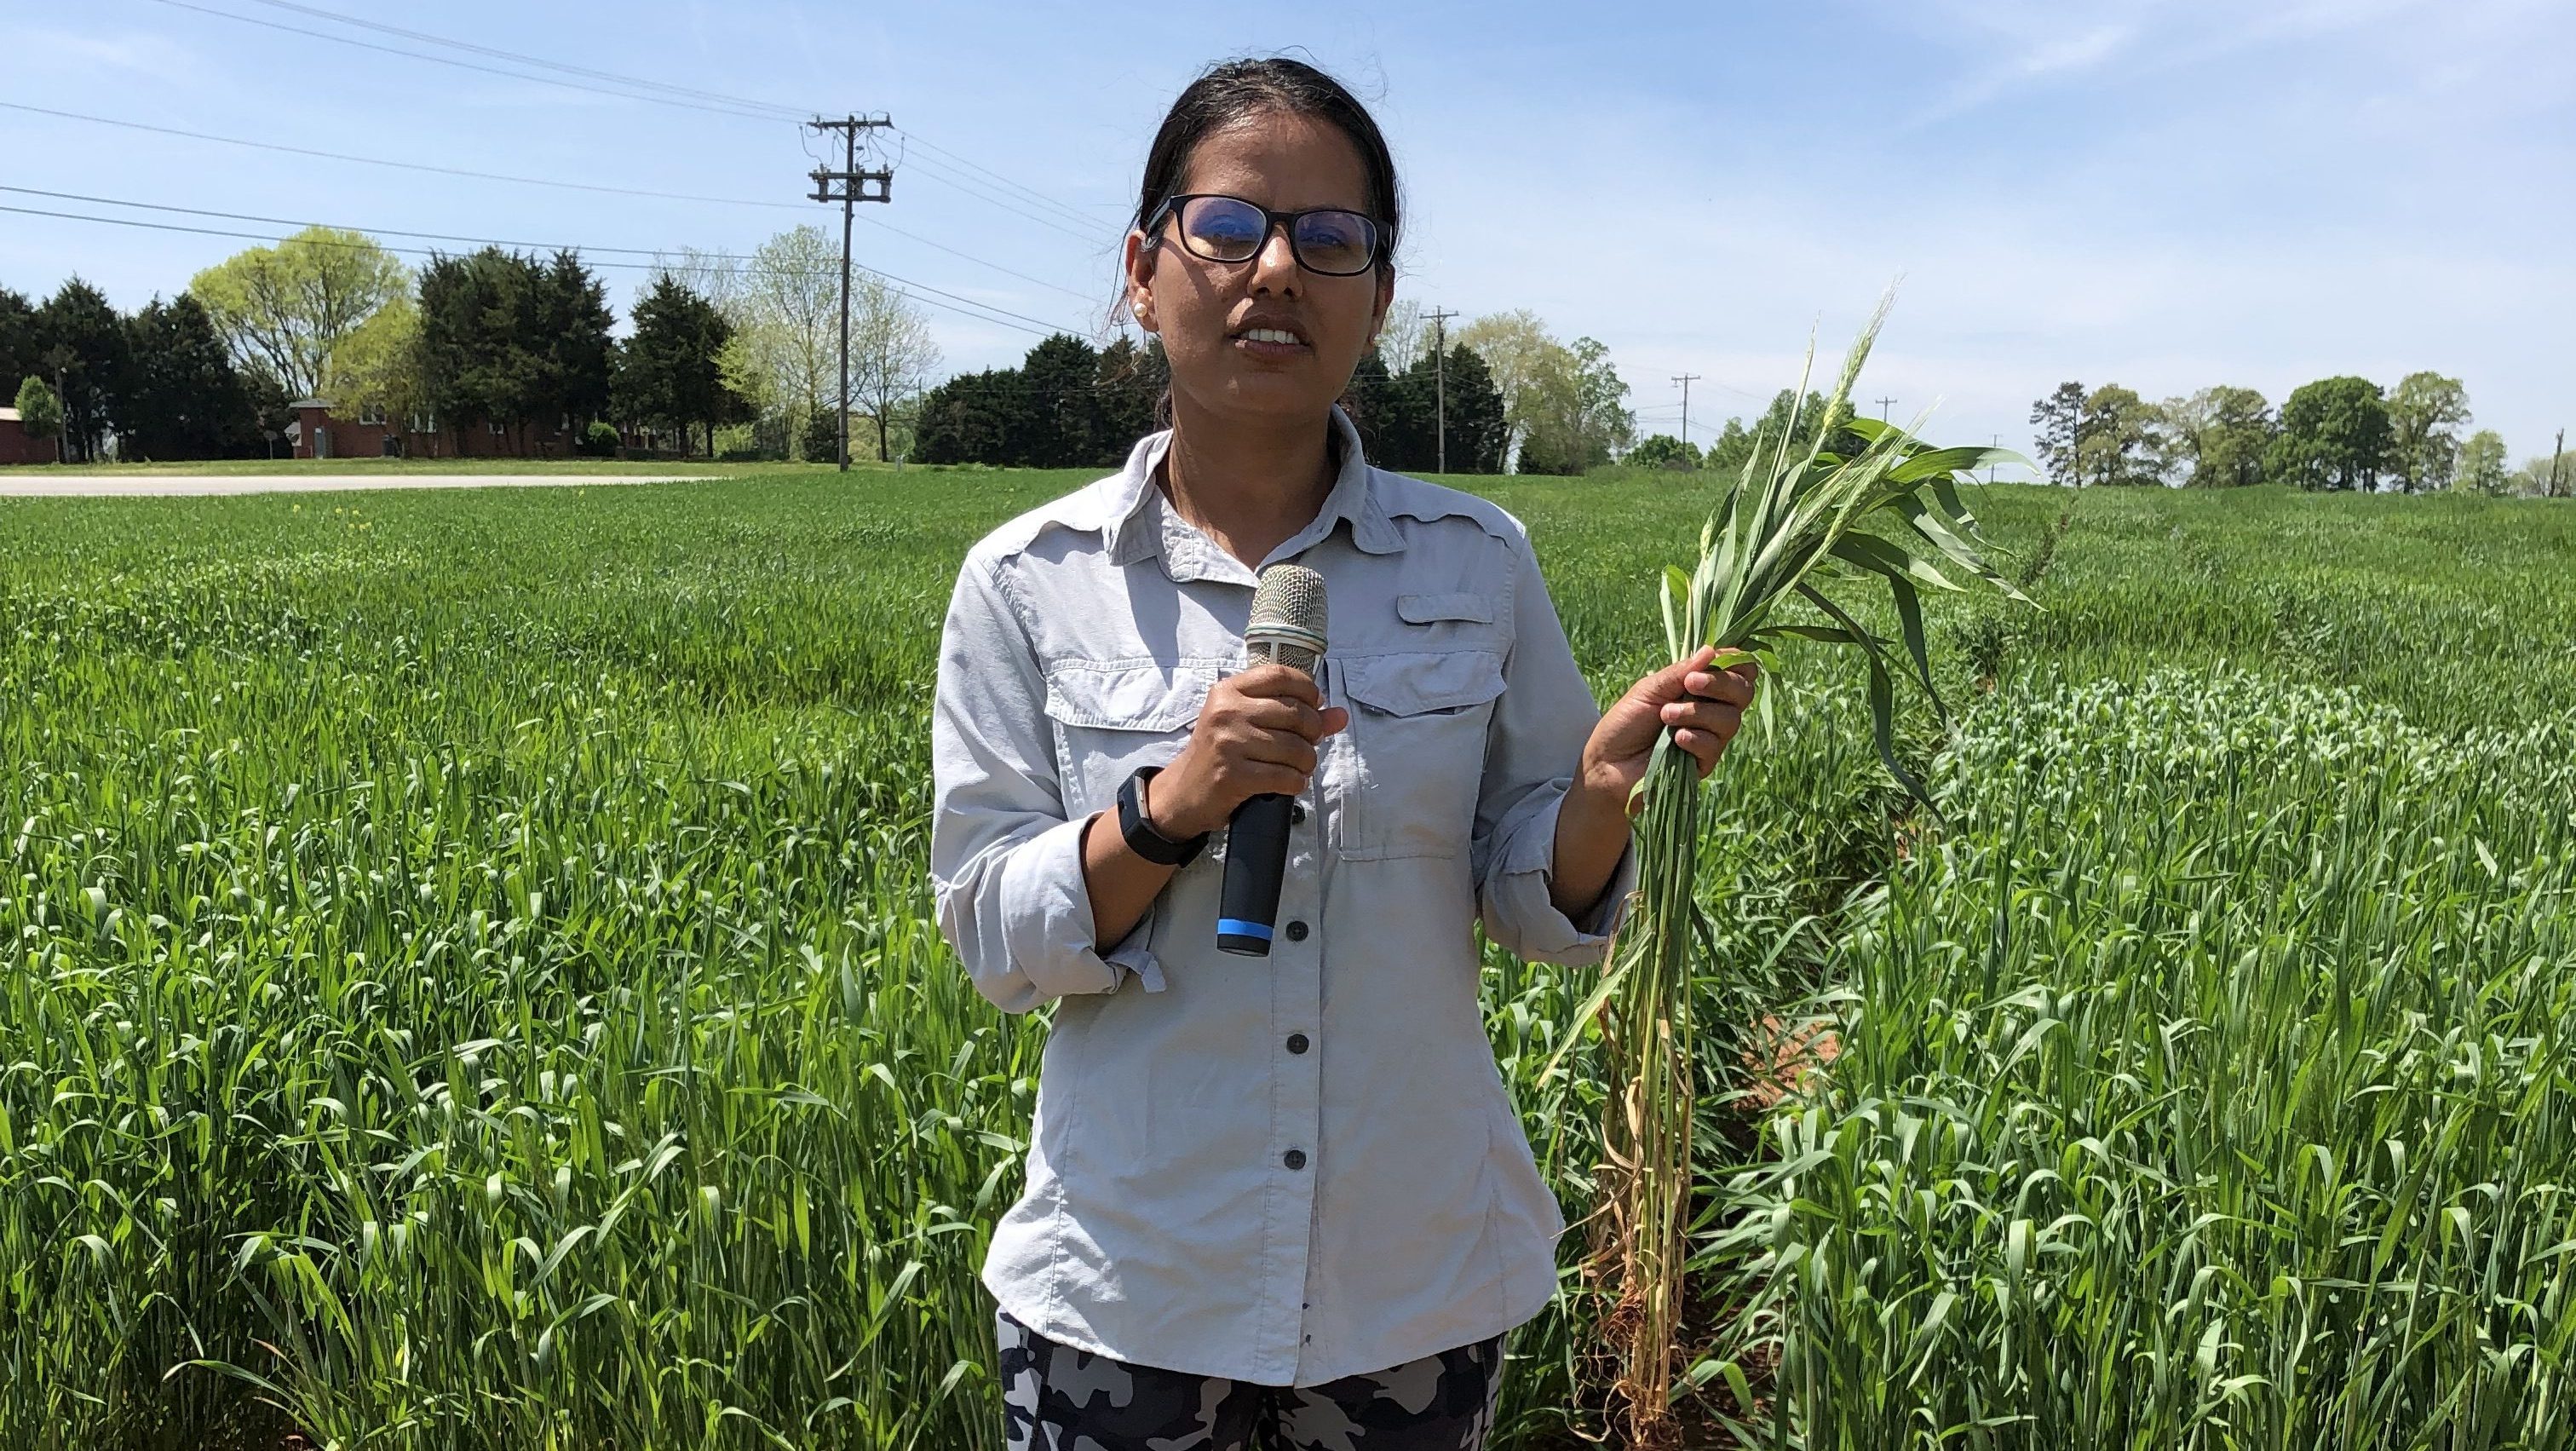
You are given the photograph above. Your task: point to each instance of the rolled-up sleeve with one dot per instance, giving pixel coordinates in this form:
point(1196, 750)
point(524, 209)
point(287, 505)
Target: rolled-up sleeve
point(1006, 866)
point(1540, 724)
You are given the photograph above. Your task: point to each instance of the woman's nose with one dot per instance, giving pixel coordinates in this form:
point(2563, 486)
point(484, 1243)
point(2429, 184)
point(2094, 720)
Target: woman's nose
point(1274, 268)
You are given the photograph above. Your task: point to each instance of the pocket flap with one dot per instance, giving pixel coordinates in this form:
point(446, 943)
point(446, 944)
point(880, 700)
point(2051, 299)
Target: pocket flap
point(1416, 683)
point(1140, 696)
point(1431, 609)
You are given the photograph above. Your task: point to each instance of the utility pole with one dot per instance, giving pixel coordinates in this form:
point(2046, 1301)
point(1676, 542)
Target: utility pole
point(2556, 454)
point(854, 186)
point(1686, 379)
point(1885, 404)
point(1990, 468)
point(1440, 383)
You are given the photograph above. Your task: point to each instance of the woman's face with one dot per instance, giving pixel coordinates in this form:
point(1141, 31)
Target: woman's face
point(1204, 310)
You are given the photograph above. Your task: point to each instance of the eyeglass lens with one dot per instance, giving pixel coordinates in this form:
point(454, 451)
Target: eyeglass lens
point(1224, 229)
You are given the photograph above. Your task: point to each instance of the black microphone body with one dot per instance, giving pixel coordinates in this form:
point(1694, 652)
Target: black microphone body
point(1287, 628)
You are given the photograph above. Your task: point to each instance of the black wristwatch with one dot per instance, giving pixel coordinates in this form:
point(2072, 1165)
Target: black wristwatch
point(1142, 838)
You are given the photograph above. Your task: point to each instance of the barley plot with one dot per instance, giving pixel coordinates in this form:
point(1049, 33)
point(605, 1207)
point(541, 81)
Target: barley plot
point(469, 983)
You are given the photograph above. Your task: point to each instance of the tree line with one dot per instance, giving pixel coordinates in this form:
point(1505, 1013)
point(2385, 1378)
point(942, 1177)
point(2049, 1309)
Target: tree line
point(517, 343)
point(1501, 393)
point(2341, 433)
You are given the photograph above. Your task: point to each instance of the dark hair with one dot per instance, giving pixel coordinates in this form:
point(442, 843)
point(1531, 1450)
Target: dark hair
point(1234, 90)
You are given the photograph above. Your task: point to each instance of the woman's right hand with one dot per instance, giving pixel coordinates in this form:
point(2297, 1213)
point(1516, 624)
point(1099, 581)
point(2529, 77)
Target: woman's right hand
point(1255, 736)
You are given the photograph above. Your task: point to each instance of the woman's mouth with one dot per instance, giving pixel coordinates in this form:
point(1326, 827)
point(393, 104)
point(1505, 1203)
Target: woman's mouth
point(1269, 342)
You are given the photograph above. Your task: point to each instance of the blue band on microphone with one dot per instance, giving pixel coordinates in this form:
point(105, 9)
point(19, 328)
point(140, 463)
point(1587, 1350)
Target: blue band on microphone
point(1230, 927)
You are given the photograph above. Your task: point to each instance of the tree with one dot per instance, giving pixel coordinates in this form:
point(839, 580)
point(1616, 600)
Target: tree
point(1734, 447)
point(785, 307)
point(2424, 415)
point(2059, 418)
point(972, 418)
point(667, 375)
point(377, 367)
point(2334, 435)
point(84, 350)
point(574, 351)
point(892, 355)
point(2112, 441)
point(1477, 428)
point(1517, 351)
point(1404, 337)
point(40, 412)
point(1060, 425)
point(2219, 436)
point(1392, 415)
point(181, 397)
point(480, 357)
point(18, 347)
point(283, 309)
point(2482, 463)
point(1663, 451)
point(1131, 383)
point(1578, 419)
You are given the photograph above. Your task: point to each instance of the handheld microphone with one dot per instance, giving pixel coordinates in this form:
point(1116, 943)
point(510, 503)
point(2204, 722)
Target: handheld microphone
point(1286, 628)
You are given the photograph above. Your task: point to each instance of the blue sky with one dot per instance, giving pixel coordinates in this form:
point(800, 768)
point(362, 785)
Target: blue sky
point(2166, 195)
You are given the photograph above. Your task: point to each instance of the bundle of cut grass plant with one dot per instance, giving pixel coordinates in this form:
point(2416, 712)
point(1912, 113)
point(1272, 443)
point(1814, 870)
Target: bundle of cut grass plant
point(1859, 505)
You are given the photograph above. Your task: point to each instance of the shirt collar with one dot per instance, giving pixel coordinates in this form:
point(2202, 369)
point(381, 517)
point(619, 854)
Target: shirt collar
point(1140, 523)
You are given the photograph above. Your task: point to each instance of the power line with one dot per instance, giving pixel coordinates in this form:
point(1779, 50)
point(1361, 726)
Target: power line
point(996, 177)
point(546, 181)
point(964, 306)
point(446, 60)
point(621, 86)
point(783, 112)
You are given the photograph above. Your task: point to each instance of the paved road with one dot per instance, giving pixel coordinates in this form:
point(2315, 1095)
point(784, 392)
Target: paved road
point(57, 486)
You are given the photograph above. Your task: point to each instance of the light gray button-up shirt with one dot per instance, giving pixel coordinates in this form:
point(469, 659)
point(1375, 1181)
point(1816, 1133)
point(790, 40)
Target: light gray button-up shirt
point(1291, 1169)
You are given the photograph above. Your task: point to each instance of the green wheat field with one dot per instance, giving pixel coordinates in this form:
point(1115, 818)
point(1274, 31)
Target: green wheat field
point(471, 984)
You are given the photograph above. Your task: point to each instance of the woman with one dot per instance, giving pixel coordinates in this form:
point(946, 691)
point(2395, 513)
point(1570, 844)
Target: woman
point(1285, 1192)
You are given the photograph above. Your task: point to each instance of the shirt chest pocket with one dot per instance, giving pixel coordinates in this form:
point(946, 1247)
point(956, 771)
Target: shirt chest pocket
point(1418, 723)
point(1111, 717)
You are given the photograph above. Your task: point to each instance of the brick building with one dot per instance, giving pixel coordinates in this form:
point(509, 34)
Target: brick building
point(316, 433)
point(17, 448)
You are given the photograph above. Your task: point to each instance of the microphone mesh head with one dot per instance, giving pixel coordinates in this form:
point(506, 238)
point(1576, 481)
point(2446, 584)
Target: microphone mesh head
point(1288, 618)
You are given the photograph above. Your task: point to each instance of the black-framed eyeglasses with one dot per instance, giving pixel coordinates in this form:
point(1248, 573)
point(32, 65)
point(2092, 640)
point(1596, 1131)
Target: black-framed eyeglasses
point(1330, 241)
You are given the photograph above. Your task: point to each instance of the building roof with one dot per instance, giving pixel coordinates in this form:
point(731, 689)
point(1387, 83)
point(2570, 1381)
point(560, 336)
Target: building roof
point(8, 415)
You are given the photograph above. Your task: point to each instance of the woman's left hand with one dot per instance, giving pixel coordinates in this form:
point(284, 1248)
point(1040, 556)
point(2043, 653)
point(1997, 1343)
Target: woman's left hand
point(1704, 707)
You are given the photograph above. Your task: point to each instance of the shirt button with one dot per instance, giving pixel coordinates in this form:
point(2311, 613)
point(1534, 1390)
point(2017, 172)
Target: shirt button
point(1296, 931)
point(1297, 812)
point(1294, 1158)
point(1296, 1042)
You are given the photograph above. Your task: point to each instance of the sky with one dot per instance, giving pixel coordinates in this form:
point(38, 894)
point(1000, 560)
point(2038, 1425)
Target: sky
point(2166, 195)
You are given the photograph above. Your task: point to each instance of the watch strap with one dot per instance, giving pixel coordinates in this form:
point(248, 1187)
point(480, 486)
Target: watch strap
point(1140, 835)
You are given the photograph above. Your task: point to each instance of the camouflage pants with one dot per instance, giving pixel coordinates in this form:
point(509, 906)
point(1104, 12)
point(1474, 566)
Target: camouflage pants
point(1061, 1399)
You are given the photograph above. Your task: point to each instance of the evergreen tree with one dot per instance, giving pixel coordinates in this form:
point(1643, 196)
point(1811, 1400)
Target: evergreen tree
point(181, 397)
point(667, 374)
point(1061, 424)
point(571, 345)
point(18, 349)
point(480, 362)
point(973, 418)
point(1476, 428)
point(1130, 384)
point(2060, 420)
point(82, 349)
